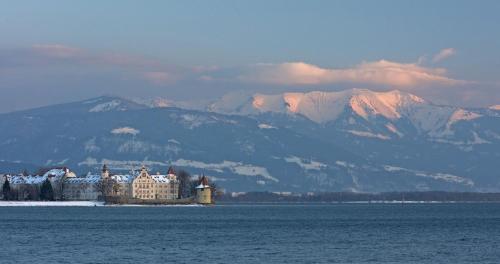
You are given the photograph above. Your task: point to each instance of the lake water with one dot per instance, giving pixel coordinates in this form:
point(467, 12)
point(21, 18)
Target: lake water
point(339, 233)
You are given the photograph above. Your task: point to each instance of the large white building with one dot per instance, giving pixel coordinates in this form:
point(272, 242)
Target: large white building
point(67, 186)
point(82, 188)
point(155, 187)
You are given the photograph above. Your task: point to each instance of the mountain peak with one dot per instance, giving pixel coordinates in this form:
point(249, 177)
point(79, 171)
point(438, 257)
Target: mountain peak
point(387, 104)
point(108, 103)
point(320, 106)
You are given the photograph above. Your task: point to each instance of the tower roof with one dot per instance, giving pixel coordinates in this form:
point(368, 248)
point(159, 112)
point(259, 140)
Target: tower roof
point(171, 170)
point(203, 183)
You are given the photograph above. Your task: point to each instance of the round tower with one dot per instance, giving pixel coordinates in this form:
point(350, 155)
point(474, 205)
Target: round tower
point(203, 191)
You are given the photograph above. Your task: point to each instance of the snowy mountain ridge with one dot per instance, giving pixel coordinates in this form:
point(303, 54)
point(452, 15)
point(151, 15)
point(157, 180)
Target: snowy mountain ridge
point(325, 107)
point(391, 110)
point(318, 106)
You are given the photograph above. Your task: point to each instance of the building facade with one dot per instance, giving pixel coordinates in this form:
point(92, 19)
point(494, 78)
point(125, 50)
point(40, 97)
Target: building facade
point(67, 186)
point(116, 184)
point(82, 188)
point(155, 187)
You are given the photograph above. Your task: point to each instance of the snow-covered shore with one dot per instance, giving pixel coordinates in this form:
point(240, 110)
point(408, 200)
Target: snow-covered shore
point(52, 203)
point(82, 204)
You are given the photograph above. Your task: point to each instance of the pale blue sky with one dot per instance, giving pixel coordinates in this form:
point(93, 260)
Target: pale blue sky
point(233, 35)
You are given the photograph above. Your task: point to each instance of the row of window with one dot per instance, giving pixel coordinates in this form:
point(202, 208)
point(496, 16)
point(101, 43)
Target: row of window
point(145, 196)
point(143, 185)
point(152, 185)
point(152, 196)
point(159, 191)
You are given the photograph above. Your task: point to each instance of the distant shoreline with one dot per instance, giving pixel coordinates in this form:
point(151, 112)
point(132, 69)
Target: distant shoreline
point(101, 204)
point(351, 197)
point(357, 202)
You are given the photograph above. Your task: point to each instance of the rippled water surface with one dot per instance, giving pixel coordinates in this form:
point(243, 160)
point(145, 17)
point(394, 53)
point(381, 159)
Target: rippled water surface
point(340, 233)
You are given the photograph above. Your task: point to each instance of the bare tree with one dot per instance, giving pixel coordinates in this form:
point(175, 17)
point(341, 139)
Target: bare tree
point(6, 190)
point(216, 191)
point(185, 184)
point(107, 187)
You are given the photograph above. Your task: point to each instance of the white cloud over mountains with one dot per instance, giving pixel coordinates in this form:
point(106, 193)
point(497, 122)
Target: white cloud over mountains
point(380, 72)
point(57, 50)
point(443, 54)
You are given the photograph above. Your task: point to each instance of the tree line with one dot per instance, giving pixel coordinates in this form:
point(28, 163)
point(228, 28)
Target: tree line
point(45, 192)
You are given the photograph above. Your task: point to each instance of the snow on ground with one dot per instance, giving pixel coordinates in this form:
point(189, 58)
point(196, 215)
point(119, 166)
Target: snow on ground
point(394, 130)
point(462, 114)
point(82, 204)
point(305, 163)
point(91, 101)
point(104, 107)
point(125, 130)
point(457, 116)
point(266, 126)
point(53, 203)
point(429, 117)
point(476, 140)
point(157, 102)
point(174, 141)
point(368, 134)
point(231, 102)
point(437, 176)
point(135, 146)
point(270, 103)
point(191, 121)
point(366, 103)
point(235, 167)
point(345, 164)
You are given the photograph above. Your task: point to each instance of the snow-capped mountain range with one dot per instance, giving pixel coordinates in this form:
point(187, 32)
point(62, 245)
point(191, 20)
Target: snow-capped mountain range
point(356, 139)
point(325, 107)
point(322, 107)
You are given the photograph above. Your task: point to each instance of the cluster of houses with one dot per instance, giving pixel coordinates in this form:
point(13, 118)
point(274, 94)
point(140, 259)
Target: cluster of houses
point(140, 187)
